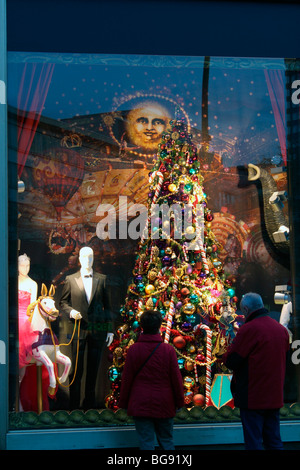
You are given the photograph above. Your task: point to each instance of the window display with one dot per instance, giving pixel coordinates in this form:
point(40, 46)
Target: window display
point(96, 141)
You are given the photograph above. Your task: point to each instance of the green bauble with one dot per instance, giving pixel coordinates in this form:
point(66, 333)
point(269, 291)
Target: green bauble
point(113, 374)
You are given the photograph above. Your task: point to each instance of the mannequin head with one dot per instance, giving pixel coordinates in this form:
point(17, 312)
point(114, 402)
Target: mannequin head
point(24, 265)
point(86, 257)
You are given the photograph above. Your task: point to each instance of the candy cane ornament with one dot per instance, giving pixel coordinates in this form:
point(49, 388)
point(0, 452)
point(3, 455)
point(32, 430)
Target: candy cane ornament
point(203, 257)
point(208, 361)
point(159, 184)
point(156, 194)
point(170, 315)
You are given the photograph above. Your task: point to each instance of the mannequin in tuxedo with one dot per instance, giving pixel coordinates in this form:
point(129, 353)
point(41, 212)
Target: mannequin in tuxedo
point(85, 297)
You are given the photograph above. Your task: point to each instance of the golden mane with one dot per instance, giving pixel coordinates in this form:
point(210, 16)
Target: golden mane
point(30, 310)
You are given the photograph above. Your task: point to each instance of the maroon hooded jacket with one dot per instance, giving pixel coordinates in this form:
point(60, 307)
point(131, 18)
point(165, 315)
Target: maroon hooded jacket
point(157, 390)
point(257, 357)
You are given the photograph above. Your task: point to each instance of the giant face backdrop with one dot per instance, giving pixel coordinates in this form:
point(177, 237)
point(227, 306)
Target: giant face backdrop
point(87, 129)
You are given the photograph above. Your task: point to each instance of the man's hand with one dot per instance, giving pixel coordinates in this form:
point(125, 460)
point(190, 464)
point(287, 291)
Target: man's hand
point(75, 314)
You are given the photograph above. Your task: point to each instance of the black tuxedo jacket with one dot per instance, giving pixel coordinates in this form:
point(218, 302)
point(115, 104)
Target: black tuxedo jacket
point(96, 314)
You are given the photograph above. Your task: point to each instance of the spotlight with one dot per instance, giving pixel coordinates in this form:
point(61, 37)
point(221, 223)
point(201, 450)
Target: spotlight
point(282, 235)
point(277, 199)
point(282, 294)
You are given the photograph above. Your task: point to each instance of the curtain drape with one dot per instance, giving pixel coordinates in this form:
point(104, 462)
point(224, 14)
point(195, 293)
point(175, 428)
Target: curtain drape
point(34, 86)
point(276, 87)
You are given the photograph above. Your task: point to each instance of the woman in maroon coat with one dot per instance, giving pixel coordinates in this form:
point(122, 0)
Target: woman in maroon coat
point(152, 391)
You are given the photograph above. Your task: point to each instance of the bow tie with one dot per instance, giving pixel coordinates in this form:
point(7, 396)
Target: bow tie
point(88, 275)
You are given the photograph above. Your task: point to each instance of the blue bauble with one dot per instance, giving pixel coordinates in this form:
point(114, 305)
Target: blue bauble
point(181, 362)
point(194, 298)
point(140, 286)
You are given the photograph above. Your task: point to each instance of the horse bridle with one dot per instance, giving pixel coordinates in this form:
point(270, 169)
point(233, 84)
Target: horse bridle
point(51, 315)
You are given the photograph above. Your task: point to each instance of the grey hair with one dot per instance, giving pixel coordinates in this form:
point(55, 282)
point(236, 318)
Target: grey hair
point(252, 300)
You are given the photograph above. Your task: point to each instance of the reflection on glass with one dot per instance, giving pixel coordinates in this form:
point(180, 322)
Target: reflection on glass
point(85, 132)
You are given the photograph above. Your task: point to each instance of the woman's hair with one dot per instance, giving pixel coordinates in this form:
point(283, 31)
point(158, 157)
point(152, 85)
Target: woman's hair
point(253, 301)
point(151, 321)
point(23, 258)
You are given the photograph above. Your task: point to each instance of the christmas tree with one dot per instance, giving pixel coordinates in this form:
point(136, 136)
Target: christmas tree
point(178, 272)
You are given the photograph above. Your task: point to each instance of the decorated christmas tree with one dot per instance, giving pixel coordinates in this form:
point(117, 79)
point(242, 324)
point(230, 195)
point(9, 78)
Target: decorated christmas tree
point(178, 272)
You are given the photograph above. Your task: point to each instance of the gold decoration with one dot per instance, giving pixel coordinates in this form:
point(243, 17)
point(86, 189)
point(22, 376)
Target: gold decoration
point(189, 309)
point(172, 188)
point(149, 289)
point(179, 272)
point(190, 230)
point(191, 349)
point(71, 141)
point(149, 304)
point(118, 353)
point(152, 275)
point(194, 360)
point(188, 382)
point(155, 252)
point(188, 365)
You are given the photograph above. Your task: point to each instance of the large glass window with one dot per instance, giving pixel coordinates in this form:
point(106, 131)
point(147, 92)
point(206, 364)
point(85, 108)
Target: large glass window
point(84, 134)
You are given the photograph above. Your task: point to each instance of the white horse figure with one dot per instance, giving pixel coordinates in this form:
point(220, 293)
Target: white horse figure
point(45, 350)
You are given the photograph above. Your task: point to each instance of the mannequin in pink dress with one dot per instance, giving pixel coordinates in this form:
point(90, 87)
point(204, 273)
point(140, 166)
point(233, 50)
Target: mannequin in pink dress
point(27, 294)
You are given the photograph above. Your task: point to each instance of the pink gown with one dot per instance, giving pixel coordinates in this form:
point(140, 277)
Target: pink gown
point(28, 386)
point(26, 335)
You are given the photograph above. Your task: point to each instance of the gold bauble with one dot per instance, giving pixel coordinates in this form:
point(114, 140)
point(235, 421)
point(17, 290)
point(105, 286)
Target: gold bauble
point(188, 365)
point(190, 229)
point(118, 352)
point(172, 188)
point(191, 349)
point(152, 275)
point(189, 309)
point(149, 304)
point(149, 289)
point(188, 382)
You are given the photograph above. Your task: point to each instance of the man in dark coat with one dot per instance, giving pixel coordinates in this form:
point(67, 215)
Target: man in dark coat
point(257, 357)
point(85, 297)
point(152, 394)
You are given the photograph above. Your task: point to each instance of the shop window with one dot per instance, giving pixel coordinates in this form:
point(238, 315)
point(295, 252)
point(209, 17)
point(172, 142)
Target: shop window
point(85, 131)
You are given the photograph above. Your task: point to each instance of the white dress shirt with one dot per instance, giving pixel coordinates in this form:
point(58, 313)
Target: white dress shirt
point(87, 279)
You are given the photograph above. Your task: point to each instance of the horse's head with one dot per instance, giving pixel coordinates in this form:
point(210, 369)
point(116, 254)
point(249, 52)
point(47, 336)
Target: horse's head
point(46, 304)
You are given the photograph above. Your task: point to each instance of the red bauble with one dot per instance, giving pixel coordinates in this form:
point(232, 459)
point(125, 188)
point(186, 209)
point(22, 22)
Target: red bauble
point(209, 217)
point(188, 396)
point(179, 342)
point(199, 400)
point(185, 291)
point(200, 358)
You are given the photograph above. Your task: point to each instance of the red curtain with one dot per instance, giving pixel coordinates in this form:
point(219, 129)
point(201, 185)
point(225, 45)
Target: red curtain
point(276, 87)
point(33, 91)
